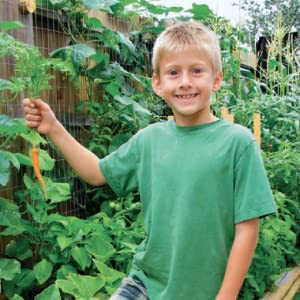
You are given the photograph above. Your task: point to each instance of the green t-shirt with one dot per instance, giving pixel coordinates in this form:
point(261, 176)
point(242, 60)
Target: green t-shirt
point(195, 183)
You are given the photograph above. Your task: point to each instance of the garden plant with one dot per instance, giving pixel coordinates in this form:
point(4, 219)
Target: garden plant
point(51, 256)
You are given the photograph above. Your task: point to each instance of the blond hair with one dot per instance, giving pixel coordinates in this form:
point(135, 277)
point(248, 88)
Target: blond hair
point(184, 35)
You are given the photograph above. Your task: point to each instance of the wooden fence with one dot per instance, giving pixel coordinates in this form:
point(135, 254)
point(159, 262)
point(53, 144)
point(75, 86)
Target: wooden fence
point(43, 30)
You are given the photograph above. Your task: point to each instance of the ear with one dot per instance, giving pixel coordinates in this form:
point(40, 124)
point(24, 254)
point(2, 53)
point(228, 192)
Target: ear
point(218, 81)
point(156, 85)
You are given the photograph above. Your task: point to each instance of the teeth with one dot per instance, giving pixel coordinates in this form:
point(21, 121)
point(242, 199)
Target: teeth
point(186, 96)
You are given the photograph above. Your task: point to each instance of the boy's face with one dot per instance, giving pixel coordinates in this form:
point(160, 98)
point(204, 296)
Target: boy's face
point(185, 82)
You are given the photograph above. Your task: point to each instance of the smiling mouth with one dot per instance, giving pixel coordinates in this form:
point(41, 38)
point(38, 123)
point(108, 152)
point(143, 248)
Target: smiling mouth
point(189, 96)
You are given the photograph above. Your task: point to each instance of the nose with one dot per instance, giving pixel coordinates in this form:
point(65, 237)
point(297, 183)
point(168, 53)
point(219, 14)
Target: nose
point(185, 80)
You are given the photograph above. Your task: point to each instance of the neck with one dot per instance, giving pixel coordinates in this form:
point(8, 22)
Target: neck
point(195, 121)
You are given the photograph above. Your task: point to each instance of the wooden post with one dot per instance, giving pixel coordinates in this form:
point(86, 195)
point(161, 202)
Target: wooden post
point(226, 115)
point(224, 112)
point(27, 6)
point(256, 128)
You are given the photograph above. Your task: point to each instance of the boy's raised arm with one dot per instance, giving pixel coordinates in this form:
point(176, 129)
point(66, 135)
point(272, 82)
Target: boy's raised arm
point(39, 115)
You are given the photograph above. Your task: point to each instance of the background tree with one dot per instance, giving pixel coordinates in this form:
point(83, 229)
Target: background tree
point(263, 18)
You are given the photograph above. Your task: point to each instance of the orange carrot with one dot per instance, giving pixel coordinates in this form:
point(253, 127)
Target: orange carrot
point(36, 168)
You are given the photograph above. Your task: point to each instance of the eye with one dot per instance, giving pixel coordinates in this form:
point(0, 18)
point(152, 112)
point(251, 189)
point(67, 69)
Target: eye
point(197, 70)
point(173, 72)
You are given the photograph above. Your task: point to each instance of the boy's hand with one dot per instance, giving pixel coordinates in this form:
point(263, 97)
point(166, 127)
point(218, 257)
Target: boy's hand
point(39, 115)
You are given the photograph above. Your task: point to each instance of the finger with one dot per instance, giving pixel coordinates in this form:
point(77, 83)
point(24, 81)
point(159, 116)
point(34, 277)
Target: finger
point(31, 111)
point(33, 118)
point(32, 124)
point(28, 101)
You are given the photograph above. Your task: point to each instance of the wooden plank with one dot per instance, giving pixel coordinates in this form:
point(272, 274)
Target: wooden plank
point(286, 286)
point(293, 290)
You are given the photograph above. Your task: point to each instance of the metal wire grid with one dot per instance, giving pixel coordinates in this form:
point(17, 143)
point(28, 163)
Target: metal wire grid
point(43, 32)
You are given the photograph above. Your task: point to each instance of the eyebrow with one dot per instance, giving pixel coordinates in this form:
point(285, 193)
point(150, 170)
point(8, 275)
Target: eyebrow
point(176, 66)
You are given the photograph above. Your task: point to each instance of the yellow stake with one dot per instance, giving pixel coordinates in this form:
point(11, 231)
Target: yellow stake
point(224, 112)
point(256, 128)
point(226, 115)
point(27, 6)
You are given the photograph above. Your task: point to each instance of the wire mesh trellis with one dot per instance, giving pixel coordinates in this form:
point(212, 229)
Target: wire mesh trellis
point(43, 30)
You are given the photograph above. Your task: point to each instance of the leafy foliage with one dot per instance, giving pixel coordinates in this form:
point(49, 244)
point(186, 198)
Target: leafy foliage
point(51, 256)
point(32, 69)
point(261, 17)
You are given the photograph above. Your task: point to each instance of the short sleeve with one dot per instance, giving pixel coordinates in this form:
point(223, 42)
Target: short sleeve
point(252, 193)
point(120, 168)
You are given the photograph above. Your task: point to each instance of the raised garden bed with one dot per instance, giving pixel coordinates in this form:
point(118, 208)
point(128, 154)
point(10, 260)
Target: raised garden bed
point(287, 286)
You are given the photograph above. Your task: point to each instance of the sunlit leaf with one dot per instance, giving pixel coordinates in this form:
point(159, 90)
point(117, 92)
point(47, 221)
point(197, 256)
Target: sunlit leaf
point(43, 270)
point(200, 11)
point(103, 5)
point(7, 25)
point(80, 286)
point(9, 268)
point(50, 293)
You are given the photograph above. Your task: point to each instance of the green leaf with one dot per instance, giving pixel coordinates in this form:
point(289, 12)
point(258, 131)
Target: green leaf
point(43, 270)
point(5, 159)
point(5, 123)
point(19, 249)
point(24, 159)
point(4, 170)
point(57, 192)
point(12, 158)
point(5, 84)
point(100, 248)
point(12, 127)
point(102, 63)
point(13, 230)
point(81, 256)
point(253, 283)
point(117, 141)
point(9, 268)
point(126, 43)
point(9, 213)
point(55, 2)
point(25, 279)
point(103, 5)
point(7, 25)
point(64, 271)
point(64, 242)
point(94, 23)
point(159, 9)
point(109, 274)
point(50, 293)
point(81, 287)
point(201, 11)
point(137, 107)
point(17, 297)
point(75, 53)
point(28, 182)
point(33, 137)
point(111, 38)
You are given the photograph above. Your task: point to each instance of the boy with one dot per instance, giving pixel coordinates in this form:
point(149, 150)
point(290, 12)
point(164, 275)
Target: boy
point(201, 179)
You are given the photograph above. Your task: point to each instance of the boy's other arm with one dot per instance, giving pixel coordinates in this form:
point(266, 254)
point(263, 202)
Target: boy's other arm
point(39, 115)
point(246, 235)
